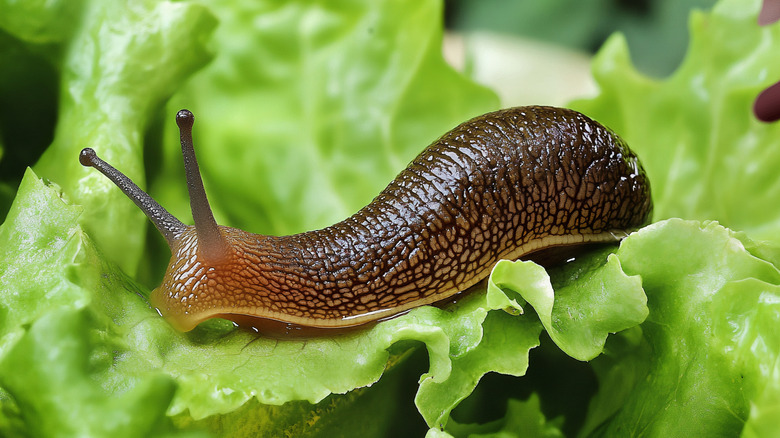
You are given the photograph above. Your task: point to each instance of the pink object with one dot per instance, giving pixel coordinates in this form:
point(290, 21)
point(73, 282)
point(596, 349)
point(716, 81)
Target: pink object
point(770, 12)
point(767, 105)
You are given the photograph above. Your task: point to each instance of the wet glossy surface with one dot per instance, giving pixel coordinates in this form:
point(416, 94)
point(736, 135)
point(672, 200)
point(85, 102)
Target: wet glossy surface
point(498, 186)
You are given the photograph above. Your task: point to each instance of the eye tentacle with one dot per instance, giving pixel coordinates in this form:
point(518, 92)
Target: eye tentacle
point(211, 244)
point(166, 223)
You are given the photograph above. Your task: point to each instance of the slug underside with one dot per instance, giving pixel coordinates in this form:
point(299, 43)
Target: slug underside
point(500, 186)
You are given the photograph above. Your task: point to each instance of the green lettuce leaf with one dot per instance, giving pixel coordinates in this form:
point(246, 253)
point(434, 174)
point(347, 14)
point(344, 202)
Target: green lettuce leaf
point(704, 363)
point(524, 419)
point(55, 342)
point(84, 355)
point(579, 315)
point(306, 111)
point(40, 22)
point(121, 61)
point(709, 345)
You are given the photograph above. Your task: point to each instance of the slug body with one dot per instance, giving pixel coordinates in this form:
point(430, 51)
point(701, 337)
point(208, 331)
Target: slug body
point(503, 185)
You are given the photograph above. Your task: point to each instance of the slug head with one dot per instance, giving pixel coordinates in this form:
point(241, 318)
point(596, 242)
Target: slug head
point(238, 286)
point(194, 246)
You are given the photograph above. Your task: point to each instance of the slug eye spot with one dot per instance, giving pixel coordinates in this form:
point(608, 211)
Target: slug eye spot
point(184, 119)
point(87, 157)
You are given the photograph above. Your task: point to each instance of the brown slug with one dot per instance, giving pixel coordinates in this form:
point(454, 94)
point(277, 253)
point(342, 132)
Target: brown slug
point(503, 185)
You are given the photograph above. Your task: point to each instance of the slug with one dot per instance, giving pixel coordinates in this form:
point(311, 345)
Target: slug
point(505, 185)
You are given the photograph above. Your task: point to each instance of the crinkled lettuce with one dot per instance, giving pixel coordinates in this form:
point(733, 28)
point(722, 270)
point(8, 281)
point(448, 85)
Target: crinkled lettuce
point(304, 113)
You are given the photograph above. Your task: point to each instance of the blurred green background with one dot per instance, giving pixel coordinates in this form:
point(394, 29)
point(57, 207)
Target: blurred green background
point(655, 29)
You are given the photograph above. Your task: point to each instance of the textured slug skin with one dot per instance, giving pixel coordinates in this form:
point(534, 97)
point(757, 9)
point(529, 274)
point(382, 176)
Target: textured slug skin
point(499, 186)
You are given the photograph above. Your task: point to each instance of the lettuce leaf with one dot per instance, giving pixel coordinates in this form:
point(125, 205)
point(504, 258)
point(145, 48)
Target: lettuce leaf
point(579, 315)
point(708, 347)
point(705, 362)
point(56, 340)
point(82, 353)
point(524, 419)
point(120, 61)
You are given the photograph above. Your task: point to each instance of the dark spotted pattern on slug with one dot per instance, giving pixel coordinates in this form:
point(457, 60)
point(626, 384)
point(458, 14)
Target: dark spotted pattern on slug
point(502, 185)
